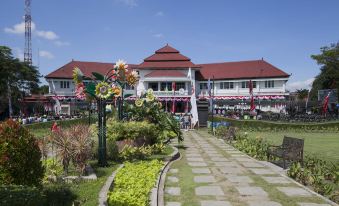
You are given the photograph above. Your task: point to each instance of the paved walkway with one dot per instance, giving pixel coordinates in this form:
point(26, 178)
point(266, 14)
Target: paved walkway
point(212, 173)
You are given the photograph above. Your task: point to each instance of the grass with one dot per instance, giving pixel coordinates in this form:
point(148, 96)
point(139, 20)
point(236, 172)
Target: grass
point(324, 144)
point(88, 192)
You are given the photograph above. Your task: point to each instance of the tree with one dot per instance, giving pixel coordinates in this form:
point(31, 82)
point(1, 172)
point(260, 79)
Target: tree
point(16, 79)
point(329, 71)
point(302, 94)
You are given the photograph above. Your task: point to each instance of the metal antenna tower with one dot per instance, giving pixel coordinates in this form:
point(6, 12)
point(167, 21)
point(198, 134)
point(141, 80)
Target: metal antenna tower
point(28, 33)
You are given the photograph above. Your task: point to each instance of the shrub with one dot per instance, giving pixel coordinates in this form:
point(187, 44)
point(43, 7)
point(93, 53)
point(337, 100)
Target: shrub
point(132, 130)
point(322, 176)
point(74, 144)
point(260, 125)
point(18, 195)
point(131, 153)
point(20, 157)
point(133, 183)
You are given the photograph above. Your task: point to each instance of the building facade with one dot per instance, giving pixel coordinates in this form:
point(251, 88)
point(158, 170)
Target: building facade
point(175, 80)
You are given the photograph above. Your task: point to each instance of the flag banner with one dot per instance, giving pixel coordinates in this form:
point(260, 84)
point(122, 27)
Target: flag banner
point(326, 100)
point(173, 106)
point(252, 108)
point(250, 86)
point(173, 87)
point(209, 87)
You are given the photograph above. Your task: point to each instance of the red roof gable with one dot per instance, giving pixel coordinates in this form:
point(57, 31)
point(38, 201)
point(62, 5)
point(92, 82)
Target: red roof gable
point(66, 71)
point(167, 58)
point(239, 70)
point(165, 73)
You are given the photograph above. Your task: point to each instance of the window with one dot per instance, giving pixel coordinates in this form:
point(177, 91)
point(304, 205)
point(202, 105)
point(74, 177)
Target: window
point(166, 86)
point(269, 84)
point(245, 84)
point(153, 86)
point(203, 86)
point(226, 85)
point(179, 85)
point(64, 84)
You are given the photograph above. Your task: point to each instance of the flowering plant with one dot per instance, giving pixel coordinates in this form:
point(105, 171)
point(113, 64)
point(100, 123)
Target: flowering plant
point(105, 86)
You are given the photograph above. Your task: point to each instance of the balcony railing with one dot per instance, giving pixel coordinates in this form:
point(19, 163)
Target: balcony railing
point(171, 93)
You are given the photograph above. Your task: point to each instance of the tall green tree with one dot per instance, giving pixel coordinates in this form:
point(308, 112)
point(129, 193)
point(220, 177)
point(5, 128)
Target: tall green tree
point(328, 78)
point(16, 79)
point(302, 94)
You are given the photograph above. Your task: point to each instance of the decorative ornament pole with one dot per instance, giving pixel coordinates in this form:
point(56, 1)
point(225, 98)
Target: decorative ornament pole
point(103, 87)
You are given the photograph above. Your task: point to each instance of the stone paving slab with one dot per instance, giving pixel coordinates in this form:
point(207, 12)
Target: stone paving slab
point(204, 179)
point(311, 204)
point(251, 191)
point(276, 180)
point(197, 164)
point(231, 170)
point(173, 171)
point(175, 191)
point(252, 164)
point(215, 203)
point(215, 155)
point(193, 155)
point(201, 170)
point(173, 204)
point(294, 191)
point(263, 203)
point(209, 190)
point(226, 164)
point(172, 179)
point(195, 159)
point(243, 159)
point(262, 171)
point(239, 179)
point(219, 159)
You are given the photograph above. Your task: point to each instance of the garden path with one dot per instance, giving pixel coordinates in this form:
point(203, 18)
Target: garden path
point(213, 173)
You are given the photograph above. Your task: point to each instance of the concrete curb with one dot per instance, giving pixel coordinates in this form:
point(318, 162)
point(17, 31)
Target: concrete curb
point(157, 193)
point(283, 173)
point(104, 190)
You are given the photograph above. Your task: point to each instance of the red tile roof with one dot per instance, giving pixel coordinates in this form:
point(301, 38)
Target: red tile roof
point(167, 58)
point(165, 73)
point(66, 71)
point(239, 70)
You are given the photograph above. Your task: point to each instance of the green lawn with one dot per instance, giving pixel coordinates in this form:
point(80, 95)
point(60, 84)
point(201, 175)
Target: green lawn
point(88, 192)
point(322, 144)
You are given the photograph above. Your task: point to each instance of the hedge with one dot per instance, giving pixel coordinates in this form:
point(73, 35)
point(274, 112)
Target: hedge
point(51, 195)
point(259, 125)
point(62, 123)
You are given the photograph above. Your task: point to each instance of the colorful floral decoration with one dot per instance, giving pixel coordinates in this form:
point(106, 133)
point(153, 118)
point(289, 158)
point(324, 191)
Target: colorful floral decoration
point(150, 97)
point(139, 102)
point(80, 91)
point(132, 78)
point(103, 90)
point(77, 75)
point(116, 90)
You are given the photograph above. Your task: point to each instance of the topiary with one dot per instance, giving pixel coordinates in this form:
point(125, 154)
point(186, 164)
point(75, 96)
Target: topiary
point(20, 157)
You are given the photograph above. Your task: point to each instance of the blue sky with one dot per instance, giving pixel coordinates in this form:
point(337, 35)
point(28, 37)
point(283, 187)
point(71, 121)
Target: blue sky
point(285, 33)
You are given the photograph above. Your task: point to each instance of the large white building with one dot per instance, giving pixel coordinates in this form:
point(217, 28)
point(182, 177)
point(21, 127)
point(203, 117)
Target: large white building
point(167, 69)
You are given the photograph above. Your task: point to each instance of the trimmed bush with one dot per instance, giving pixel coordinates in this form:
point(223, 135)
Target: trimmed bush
point(61, 123)
point(18, 195)
point(132, 131)
point(20, 156)
point(133, 183)
point(260, 125)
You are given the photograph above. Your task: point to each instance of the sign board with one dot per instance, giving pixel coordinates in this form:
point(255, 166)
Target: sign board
point(324, 92)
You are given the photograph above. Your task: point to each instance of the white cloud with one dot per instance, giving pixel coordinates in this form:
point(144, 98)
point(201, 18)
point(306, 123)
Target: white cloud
point(46, 54)
point(293, 86)
point(50, 35)
point(159, 13)
point(159, 35)
point(130, 3)
point(19, 28)
point(61, 43)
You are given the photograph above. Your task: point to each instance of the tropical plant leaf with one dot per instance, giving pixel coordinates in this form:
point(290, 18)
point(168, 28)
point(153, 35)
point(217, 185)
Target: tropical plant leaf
point(90, 89)
point(98, 76)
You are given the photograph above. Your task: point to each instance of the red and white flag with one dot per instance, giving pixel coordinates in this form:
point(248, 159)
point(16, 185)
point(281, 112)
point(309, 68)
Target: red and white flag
point(250, 86)
point(325, 105)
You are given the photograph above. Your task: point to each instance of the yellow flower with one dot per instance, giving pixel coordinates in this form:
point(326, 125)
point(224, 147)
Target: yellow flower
point(139, 102)
point(150, 97)
point(132, 78)
point(116, 90)
point(150, 91)
point(103, 90)
point(77, 75)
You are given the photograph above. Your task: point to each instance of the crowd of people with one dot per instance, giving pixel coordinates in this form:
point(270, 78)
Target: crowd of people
point(44, 118)
point(185, 120)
